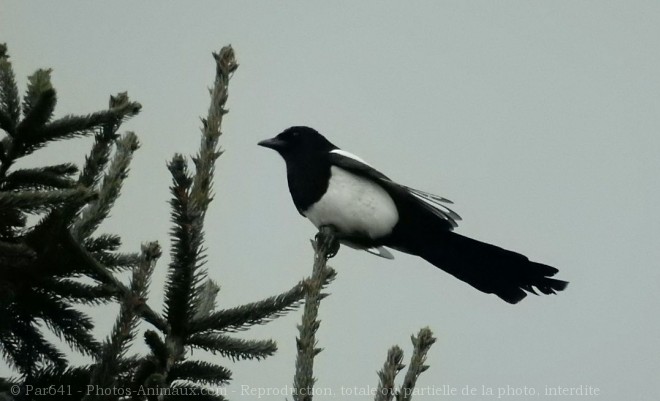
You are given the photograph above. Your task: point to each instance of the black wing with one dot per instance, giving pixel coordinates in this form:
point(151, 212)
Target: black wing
point(431, 203)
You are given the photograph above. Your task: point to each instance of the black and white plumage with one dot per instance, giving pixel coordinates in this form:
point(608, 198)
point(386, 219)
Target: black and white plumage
point(369, 211)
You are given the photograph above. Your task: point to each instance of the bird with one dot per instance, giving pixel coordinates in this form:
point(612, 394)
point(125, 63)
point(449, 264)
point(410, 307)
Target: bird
point(369, 211)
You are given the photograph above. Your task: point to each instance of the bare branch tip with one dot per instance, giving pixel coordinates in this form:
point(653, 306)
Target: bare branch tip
point(226, 60)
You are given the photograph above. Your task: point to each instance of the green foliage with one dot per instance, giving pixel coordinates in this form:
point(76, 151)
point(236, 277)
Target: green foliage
point(55, 261)
point(106, 374)
point(386, 390)
point(50, 267)
point(243, 316)
point(98, 209)
point(41, 178)
point(192, 321)
point(232, 348)
point(39, 269)
point(325, 245)
point(421, 345)
point(9, 98)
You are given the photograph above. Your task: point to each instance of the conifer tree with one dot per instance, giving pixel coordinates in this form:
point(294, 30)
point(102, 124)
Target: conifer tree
point(50, 266)
point(39, 262)
point(52, 259)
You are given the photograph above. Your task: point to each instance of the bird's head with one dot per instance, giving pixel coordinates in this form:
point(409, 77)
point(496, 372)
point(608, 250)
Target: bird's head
point(298, 142)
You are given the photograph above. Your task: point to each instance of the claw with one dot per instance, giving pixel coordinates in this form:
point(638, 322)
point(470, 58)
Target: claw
point(326, 239)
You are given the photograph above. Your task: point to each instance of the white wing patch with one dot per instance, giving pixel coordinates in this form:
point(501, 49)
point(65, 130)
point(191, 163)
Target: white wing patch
point(378, 251)
point(354, 205)
point(381, 251)
point(437, 203)
point(350, 156)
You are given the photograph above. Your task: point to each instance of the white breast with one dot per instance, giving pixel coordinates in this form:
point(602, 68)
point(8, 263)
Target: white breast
point(354, 205)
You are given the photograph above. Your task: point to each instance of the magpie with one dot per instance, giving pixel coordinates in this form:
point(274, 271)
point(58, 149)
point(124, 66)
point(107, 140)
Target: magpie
point(367, 210)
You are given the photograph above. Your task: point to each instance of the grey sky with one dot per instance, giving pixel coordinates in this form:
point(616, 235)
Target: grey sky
point(540, 120)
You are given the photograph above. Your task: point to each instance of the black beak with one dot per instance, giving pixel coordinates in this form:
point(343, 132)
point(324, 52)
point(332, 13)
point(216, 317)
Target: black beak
point(273, 143)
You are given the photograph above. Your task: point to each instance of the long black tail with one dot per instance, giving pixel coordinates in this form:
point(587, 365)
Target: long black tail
point(489, 268)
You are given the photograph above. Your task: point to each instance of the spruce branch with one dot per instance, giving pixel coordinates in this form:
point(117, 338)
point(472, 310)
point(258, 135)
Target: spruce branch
point(38, 201)
point(385, 390)
point(123, 332)
point(98, 210)
point(16, 254)
point(101, 248)
point(188, 293)
point(117, 262)
point(38, 84)
point(70, 375)
point(66, 322)
point(39, 114)
point(5, 388)
point(253, 313)
point(200, 371)
point(73, 380)
point(78, 292)
point(325, 245)
point(205, 160)
point(101, 273)
point(104, 242)
point(158, 348)
point(11, 220)
point(72, 126)
point(29, 300)
point(40, 263)
point(422, 343)
point(64, 169)
point(7, 125)
point(186, 247)
point(233, 348)
point(192, 196)
point(120, 110)
point(98, 157)
point(9, 99)
point(37, 179)
point(38, 103)
point(26, 346)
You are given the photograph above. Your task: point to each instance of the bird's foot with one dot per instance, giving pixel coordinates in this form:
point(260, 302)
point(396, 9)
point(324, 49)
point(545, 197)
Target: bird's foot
point(326, 239)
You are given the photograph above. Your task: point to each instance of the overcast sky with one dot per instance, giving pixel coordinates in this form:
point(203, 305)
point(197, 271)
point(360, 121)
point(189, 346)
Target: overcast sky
point(539, 119)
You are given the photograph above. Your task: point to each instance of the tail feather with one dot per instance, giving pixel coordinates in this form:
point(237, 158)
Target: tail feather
point(489, 268)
